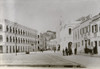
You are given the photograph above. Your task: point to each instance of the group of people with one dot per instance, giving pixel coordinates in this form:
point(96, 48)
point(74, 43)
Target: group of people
point(68, 51)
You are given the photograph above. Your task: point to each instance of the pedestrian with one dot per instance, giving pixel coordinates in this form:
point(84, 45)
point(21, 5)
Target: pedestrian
point(66, 50)
point(63, 52)
point(59, 48)
point(75, 51)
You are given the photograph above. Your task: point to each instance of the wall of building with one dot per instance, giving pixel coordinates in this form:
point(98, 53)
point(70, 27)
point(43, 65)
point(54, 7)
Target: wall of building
point(17, 37)
point(66, 35)
point(89, 34)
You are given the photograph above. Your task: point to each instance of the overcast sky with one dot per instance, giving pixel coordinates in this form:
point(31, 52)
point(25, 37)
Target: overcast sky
point(45, 14)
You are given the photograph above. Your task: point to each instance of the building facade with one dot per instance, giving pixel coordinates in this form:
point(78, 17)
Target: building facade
point(52, 44)
point(16, 38)
point(41, 42)
point(66, 35)
point(86, 35)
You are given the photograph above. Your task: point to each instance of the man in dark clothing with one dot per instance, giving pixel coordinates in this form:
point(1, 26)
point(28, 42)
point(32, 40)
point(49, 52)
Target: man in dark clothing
point(63, 52)
point(66, 50)
point(75, 51)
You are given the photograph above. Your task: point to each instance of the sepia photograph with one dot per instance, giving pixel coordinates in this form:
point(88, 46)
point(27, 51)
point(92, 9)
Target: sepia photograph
point(39, 34)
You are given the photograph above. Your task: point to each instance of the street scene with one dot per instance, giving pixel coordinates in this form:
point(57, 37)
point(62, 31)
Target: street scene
point(50, 33)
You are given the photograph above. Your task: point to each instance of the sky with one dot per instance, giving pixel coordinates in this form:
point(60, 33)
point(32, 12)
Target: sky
point(44, 15)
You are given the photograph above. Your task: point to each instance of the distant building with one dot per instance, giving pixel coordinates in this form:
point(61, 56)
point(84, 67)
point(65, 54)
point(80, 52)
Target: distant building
point(44, 38)
point(41, 42)
point(52, 44)
point(16, 38)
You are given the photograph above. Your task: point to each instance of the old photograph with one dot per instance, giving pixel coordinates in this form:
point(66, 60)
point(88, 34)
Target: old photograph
point(49, 34)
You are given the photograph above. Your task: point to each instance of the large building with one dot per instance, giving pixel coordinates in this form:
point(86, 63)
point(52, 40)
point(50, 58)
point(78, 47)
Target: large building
point(66, 35)
point(16, 38)
point(86, 35)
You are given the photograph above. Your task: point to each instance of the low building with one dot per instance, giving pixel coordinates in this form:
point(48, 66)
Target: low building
point(41, 42)
point(16, 38)
point(52, 44)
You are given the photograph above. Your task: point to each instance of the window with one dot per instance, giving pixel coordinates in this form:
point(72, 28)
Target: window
point(26, 40)
point(6, 49)
point(38, 36)
point(13, 39)
point(86, 29)
point(10, 29)
point(1, 49)
point(13, 30)
point(21, 32)
point(88, 41)
point(16, 39)
point(10, 39)
point(69, 31)
point(89, 28)
point(99, 27)
point(10, 49)
point(21, 40)
point(18, 31)
point(96, 28)
point(1, 38)
point(82, 30)
point(13, 49)
point(7, 29)
point(82, 43)
point(99, 43)
point(92, 29)
point(78, 34)
point(7, 39)
point(38, 42)
point(0, 27)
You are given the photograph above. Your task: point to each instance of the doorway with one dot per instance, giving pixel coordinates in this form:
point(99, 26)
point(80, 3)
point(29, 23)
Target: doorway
point(95, 48)
point(1, 49)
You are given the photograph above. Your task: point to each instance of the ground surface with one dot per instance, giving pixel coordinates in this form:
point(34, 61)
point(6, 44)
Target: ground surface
point(36, 59)
point(49, 59)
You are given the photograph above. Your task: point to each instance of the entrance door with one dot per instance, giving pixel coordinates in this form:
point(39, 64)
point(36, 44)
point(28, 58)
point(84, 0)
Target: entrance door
point(69, 44)
point(85, 43)
point(1, 49)
point(95, 48)
point(86, 49)
point(69, 48)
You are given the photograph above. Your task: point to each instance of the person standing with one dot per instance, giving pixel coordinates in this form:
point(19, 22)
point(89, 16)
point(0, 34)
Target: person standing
point(66, 50)
point(63, 52)
point(75, 51)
